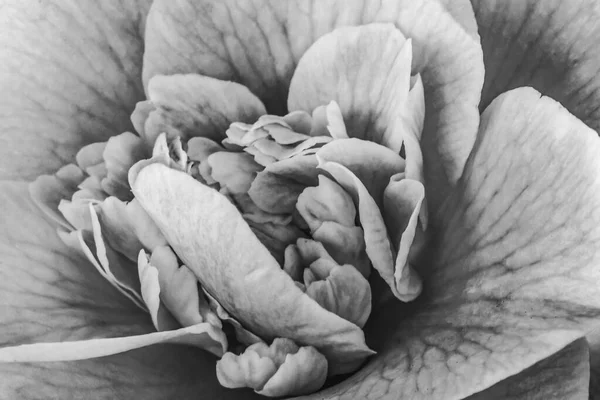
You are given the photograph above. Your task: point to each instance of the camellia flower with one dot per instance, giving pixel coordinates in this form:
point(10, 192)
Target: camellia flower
point(307, 201)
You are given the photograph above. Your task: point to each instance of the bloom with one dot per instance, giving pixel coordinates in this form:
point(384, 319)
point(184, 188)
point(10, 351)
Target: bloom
point(470, 300)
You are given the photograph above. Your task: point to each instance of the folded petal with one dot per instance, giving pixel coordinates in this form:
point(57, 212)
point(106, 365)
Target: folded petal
point(514, 277)
point(404, 281)
point(66, 82)
point(259, 44)
point(171, 199)
point(282, 369)
point(550, 46)
point(403, 200)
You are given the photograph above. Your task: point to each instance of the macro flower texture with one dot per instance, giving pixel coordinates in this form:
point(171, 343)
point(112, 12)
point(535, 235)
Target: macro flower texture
point(331, 199)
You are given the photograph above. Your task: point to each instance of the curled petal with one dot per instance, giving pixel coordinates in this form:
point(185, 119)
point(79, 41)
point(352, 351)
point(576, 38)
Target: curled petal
point(372, 164)
point(277, 187)
point(293, 264)
point(120, 153)
point(118, 227)
point(413, 123)
point(118, 270)
point(366, 70)
point(48, 190)
point(513, 275)
point(171, 199)
point(199, 148)
point(406, 285)
point(326, 202)
point(403, 199)
point(151, 289)
point(282, 369)
point(242, 334)
point(180, 290)
point(76, 212)
point(195, 105)
point(345, 292)
point(233, 171)
point(91, 157)
point(345, 244)
point(335, 121)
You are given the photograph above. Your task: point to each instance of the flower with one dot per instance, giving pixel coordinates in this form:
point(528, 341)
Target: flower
point(507, 242)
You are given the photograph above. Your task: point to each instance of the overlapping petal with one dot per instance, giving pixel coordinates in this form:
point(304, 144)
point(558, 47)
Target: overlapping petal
point(70, 75)
point(59, 379)
point(548, 45)
point(259, 43)
point(171, 199)
point(514, 277)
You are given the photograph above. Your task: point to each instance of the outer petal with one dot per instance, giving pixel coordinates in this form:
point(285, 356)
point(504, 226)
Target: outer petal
point(258, 43)
point(515, 277)
point(69, 75)
point(564, 375)
point(226, 254)
point(550, 45)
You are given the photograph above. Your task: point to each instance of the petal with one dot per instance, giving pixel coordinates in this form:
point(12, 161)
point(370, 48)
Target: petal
point(282, 369)
point(404, 282)
point(49, 293)
point(373, 164)
point(303, 372)
point(259, 44)
point(118, 230)
point(171, 199)
point(563, 375)
point(515, 277)
point(549, 46)
point(366, 70)
point(234, 171)
point(277, 187)
point(462, 12)
point(195, 105)
point(68, 81)
point(243, 335)
point(402, 201)
point(344, 292)
point(120, 153)
point(150, 290)
point(200, 335)
point(48, 190)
